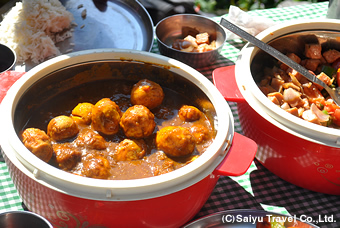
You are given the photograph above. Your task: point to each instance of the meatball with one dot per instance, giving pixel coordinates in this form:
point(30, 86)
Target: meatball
point(96, 167)
point(67, 156)
point(84, 111)
point(138, 122)
point(38, 142)
point(62, 127)
point(175, 141)
point(91, 139)
point(147, 93)
point(106, 116)
point(129, 150)
point(200, 133)
point(189, 113)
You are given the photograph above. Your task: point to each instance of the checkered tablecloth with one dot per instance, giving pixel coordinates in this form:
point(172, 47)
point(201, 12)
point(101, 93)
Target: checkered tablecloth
point(257, 188)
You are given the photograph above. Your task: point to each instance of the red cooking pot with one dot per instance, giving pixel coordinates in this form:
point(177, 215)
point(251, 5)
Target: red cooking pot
point(168, 200)
point(302, 153)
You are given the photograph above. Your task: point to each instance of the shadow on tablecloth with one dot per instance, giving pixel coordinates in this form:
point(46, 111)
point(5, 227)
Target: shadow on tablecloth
point(228, 195)
point(269, 189)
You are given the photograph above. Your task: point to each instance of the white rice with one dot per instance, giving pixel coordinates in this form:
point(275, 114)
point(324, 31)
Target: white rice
point(32, 28)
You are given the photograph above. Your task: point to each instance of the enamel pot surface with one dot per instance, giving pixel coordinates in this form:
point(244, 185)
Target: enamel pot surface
point(168, 200)
point(302, 153)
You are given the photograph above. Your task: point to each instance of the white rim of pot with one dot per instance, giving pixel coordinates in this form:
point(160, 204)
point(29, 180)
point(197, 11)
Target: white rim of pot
point(126, 190)
point(253, 95)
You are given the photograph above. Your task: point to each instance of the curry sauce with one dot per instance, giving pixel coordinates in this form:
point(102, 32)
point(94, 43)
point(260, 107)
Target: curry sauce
point(90, 152)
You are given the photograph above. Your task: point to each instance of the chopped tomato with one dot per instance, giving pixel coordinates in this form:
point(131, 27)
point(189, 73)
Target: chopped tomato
point(320, 102)
point(334, 111)
point(336, 117)
point(330, 107)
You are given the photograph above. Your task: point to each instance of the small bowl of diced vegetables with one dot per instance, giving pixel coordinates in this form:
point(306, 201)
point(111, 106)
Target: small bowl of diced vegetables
point(192, 39)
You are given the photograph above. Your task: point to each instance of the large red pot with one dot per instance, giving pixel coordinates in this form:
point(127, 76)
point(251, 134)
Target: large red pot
point(168, 200)
point(302, 153)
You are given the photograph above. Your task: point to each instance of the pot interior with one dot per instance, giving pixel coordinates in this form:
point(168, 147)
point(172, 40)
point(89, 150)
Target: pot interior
point(291, 39)
point(293, 42)
point(59, 92)
point(87, 74)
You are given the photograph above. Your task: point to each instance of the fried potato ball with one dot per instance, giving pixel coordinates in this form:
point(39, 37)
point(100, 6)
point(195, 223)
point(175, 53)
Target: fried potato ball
point(147, 93)
point(106, 116)
point(38, 142)
point(84, 111)
point(67, 157)
point(189, 113)
point(175, 141)
point(138, 122)
point(62, 127)
point(90, 139)
point(200, 133)
point(96, 167)
point(128, 150)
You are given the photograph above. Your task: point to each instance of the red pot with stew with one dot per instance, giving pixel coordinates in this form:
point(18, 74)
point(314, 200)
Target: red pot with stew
point(293, 121)
point(123, 138)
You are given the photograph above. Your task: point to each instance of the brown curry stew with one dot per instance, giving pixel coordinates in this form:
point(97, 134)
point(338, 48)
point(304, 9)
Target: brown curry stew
point(150, 140)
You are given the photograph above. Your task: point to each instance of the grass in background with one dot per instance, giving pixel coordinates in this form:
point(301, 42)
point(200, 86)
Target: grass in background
point(220, 7)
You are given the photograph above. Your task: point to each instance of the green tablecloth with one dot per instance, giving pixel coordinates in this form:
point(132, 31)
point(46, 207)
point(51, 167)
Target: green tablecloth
point(238, 192)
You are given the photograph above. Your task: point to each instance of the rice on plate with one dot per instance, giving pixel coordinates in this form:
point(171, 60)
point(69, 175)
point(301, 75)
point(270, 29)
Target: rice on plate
point(32, 29)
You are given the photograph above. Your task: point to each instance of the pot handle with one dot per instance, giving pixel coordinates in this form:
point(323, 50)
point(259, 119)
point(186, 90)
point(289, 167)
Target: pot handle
point(224, 80)
point(239, 157)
